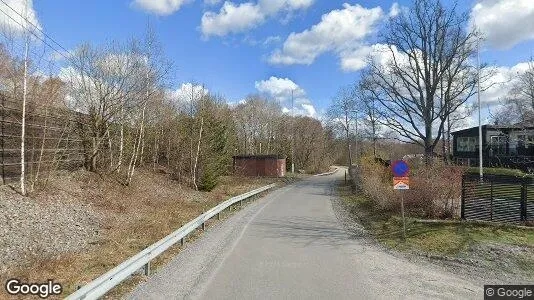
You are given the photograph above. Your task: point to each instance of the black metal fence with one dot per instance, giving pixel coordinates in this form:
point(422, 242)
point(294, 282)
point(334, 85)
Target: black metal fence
point(498, 198)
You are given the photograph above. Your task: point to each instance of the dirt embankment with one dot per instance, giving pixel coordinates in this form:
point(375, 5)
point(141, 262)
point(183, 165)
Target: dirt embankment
point(81, 225)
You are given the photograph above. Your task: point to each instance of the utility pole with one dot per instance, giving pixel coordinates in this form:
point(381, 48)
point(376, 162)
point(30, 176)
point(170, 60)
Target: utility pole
point(292, 131)
point(480, 162)
point(24, 99)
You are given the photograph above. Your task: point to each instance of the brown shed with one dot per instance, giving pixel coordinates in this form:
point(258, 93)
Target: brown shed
point(260, 165)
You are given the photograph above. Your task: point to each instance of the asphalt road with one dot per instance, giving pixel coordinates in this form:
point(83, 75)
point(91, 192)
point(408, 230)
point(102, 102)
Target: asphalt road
point(290, 245)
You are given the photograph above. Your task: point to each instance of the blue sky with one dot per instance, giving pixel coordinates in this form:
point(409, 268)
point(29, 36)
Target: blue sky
point(240, 47)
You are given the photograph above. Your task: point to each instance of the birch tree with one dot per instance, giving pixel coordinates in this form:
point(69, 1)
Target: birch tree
point(103, 84)
point(343, 115)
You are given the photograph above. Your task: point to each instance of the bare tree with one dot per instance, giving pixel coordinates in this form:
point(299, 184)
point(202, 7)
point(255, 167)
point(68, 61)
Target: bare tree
point(519, 105)
point(427, 75)
point(369, 106)
point(102, 84)
point(343, 115)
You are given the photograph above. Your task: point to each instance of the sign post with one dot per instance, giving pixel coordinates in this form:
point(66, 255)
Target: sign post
point(401, 182)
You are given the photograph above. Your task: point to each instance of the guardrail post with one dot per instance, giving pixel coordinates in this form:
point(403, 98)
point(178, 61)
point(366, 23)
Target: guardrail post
point(218, 216)
point(204, 226)
point(147, 269)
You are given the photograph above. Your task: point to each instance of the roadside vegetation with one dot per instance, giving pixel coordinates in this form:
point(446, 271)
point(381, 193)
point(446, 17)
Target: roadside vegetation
point(433, 228)
point(111, 223)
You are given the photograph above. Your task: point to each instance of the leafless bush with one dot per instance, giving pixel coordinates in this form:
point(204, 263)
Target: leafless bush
point(434, 191)
point(374, 181)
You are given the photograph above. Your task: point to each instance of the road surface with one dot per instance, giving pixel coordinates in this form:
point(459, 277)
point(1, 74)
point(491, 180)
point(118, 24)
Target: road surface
point(290, 245)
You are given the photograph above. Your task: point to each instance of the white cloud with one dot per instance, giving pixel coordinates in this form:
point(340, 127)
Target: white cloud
point(160, 7)
point(504, 23)
point(231, 19)
point(236, 18)
point(499, 85)
point(394, 10)
point(271, 7)
point(272, 40)
point(354, 60)
point(495, 90)
point(341, 31)
point(281, 90)
point(13, 21)
point(182, 95)
point(212, 2)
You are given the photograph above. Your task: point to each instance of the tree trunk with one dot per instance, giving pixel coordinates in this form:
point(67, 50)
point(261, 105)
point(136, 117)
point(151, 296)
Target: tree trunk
point(133, 160)
point(23, 122)
point(347, 133)
point(36, 178)
point(110, 147)
point(196, 157)
point(121, 143)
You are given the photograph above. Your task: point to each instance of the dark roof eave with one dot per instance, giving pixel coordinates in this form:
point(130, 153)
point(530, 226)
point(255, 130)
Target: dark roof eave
point(497, 127)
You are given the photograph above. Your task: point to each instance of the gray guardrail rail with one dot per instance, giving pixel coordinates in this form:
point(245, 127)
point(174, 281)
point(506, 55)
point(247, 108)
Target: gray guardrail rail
point(327, 173)
point(104, 283)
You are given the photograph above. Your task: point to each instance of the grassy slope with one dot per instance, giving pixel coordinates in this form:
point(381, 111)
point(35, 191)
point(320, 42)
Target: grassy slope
point(135, 217)
point(500, 247)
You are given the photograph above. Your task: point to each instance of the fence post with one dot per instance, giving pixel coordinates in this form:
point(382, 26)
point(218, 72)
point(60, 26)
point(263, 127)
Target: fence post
point(462, 206)
point(491, 200)
point(524, 200)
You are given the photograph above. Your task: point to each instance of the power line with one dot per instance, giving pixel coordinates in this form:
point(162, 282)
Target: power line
point(34, 34)
point(36, 27)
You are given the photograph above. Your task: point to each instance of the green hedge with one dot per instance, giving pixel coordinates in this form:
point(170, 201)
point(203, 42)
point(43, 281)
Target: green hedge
point(498, 171)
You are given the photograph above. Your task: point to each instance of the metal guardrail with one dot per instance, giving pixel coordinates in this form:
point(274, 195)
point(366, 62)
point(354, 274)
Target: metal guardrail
point(112, 278)
point(327, 173)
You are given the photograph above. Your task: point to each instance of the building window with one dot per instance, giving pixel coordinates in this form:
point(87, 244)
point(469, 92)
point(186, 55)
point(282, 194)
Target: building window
point(467, 144)
point(498, 145)
point(525, 141)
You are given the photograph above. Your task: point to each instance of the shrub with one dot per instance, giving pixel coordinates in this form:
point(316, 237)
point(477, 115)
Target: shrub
point(434, 191)
point(497, 171)
point(374, 180)
point(208, 180)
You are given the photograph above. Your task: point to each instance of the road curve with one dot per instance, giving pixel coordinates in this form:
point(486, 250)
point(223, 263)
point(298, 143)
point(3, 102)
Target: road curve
point(290, 245)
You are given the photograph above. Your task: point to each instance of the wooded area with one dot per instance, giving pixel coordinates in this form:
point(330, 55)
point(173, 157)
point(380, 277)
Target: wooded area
point(111, 111)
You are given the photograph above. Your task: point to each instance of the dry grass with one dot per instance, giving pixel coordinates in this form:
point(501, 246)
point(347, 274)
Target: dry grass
point(135, 217)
